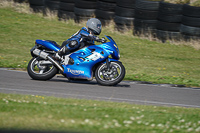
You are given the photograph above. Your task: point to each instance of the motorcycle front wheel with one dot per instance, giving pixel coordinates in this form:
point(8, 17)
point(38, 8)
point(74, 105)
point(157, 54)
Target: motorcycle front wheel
point(38, 71)
point(110, 77)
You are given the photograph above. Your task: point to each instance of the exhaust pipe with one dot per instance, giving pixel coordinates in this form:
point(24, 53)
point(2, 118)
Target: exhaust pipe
point(45, 56)
point(55, 63)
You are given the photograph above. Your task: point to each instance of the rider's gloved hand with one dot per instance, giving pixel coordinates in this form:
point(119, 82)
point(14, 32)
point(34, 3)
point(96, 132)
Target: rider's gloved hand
point(97, 39)
point(103, 40)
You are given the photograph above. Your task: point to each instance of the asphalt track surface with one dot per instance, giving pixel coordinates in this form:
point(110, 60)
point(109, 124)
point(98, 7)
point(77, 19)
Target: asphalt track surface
point(18, 82)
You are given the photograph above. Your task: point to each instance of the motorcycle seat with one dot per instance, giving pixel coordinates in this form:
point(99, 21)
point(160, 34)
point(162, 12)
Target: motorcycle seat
point(53, 43)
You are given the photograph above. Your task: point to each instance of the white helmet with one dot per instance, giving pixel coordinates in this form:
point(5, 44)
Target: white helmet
point(94, 24)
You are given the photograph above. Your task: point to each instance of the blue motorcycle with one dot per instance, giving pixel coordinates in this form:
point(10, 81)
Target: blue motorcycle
point(99, 61)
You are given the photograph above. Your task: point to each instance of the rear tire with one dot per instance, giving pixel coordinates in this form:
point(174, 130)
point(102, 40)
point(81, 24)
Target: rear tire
point(112, 77)
point(38, 72)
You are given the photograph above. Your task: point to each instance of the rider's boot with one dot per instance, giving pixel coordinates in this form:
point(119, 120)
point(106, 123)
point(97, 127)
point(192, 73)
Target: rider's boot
point(58, 55)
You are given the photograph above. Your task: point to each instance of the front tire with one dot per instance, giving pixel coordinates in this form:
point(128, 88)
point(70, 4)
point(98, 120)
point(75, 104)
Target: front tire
point(112, 77)
point(41, 72)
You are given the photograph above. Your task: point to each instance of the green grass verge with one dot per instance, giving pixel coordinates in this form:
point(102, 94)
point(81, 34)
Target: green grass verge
point(144, 60)
point(33, 112)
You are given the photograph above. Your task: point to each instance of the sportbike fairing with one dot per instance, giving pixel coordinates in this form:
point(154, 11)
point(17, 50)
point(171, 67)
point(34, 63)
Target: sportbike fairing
point(85, 58)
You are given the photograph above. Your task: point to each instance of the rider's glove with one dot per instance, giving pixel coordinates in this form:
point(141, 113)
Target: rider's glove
point(97, 38)
point(103, 40)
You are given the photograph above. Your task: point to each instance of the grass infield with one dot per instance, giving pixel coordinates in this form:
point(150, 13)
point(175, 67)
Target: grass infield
point(42, 113)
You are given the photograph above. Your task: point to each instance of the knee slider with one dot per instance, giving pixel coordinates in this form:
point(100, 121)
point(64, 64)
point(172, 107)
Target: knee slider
point(73, 44)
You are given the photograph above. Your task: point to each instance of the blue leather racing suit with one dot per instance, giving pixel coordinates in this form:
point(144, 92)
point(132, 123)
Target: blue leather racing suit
point(78, 40)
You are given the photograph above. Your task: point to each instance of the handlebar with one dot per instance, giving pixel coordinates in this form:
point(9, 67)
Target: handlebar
point(103, 40)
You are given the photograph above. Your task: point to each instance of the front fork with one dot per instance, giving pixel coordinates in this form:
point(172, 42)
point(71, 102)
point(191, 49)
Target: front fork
point(108, 64)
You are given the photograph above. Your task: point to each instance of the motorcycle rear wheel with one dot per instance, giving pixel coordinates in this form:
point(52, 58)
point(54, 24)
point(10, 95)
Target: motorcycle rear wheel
point(112, 77)
point(41, 72)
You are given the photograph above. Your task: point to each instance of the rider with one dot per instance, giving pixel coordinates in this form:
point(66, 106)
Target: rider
point(84, 37)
